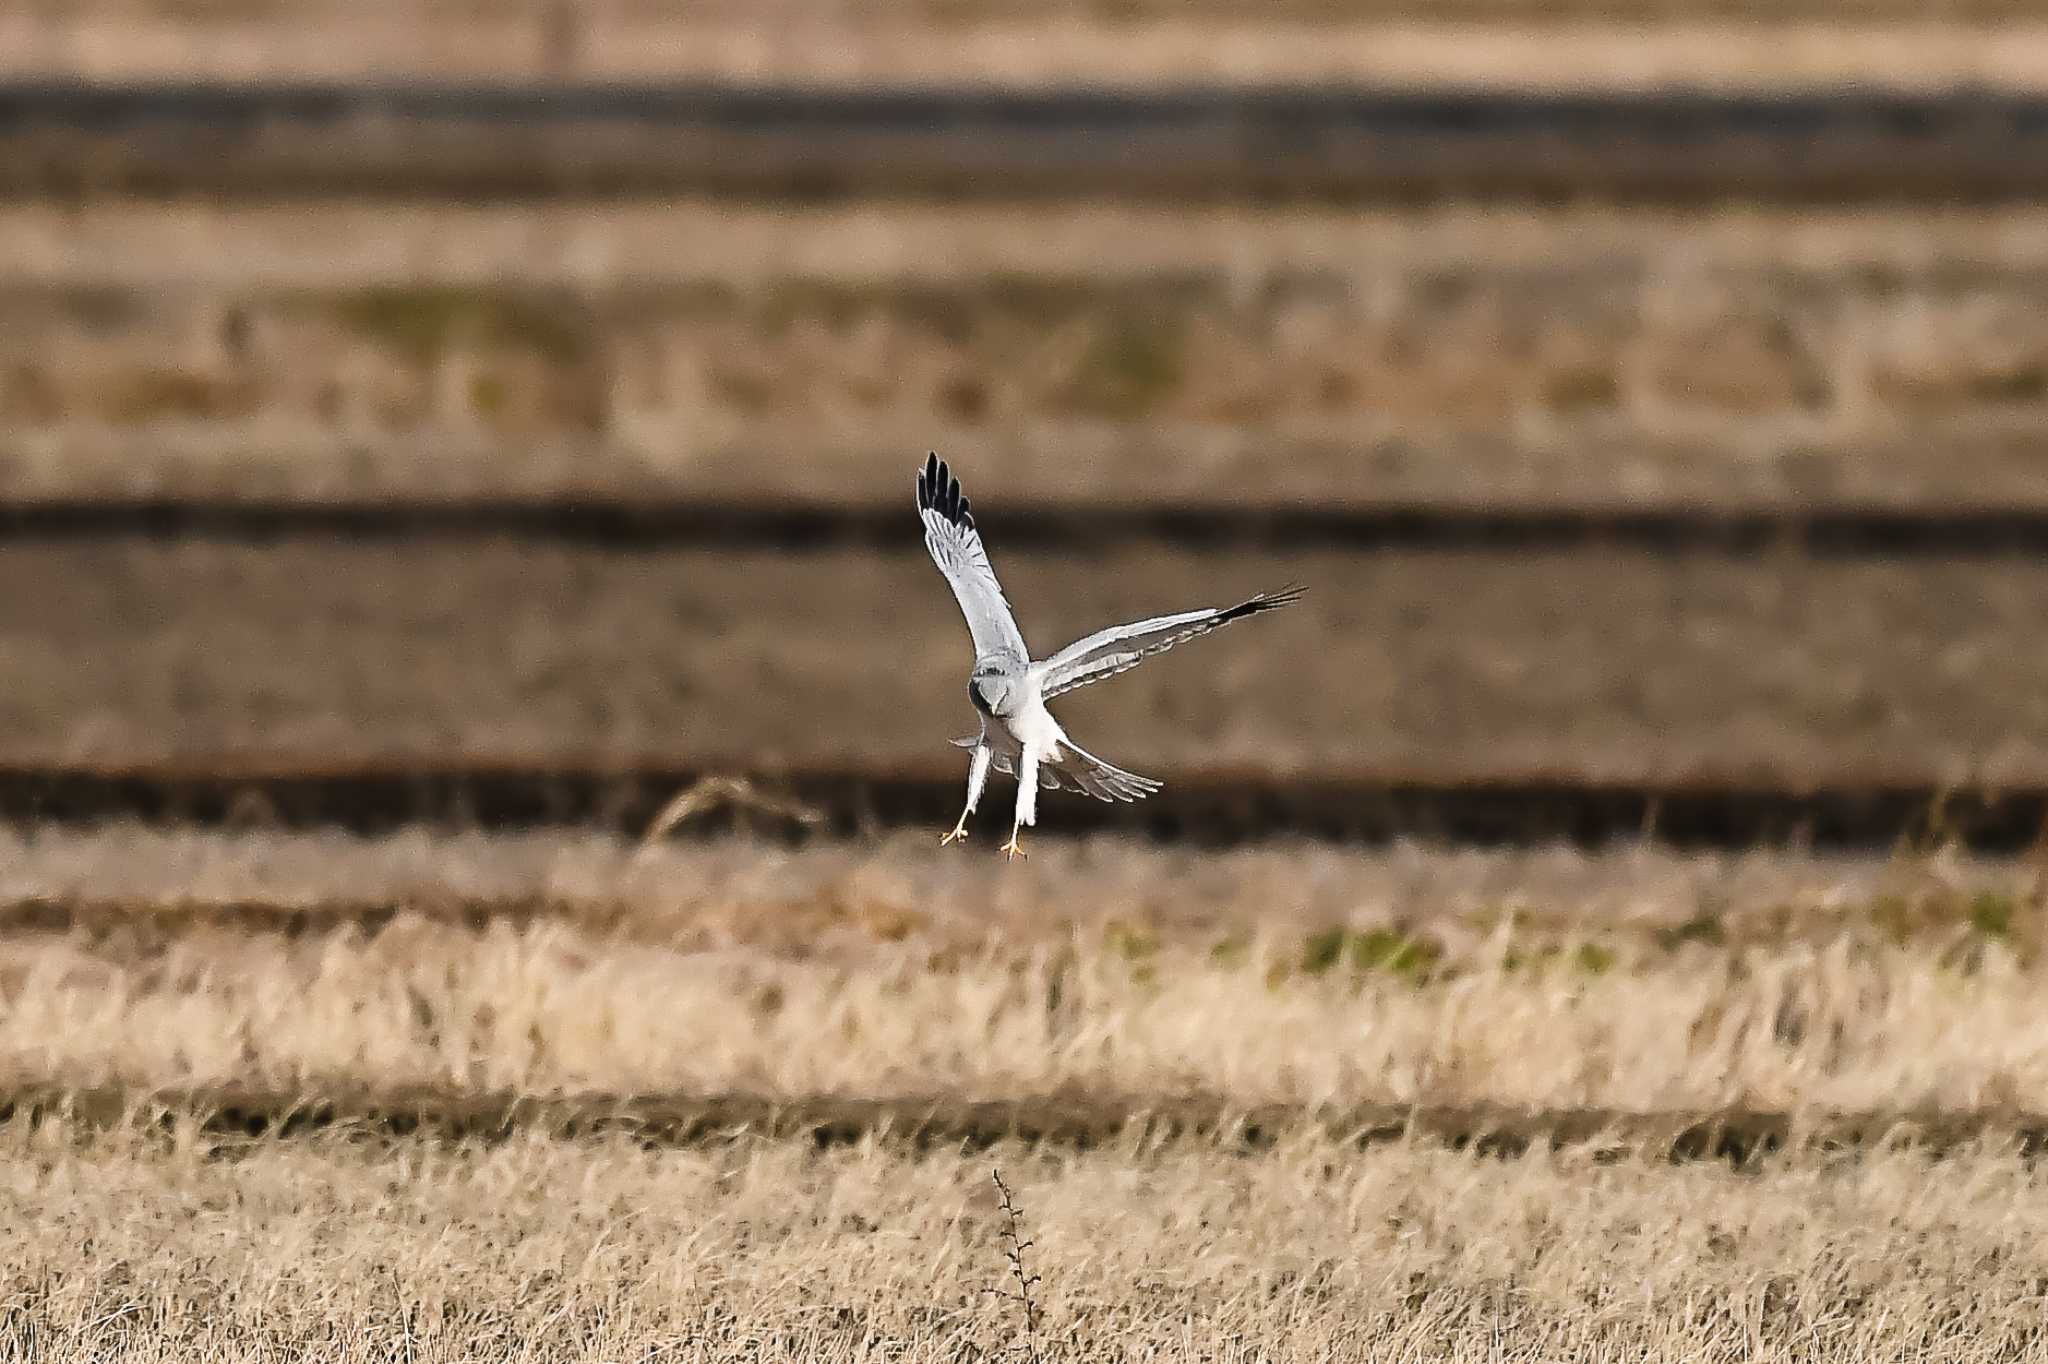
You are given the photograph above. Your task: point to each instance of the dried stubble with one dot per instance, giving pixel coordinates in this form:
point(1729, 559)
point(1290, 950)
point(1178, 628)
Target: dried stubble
point(1646, 983)
point(128, 1249)
point(1855, 1025)
point(1548, 44)
point(398, 349)
point(1110, 971)
point(1637, 979)
point(835, 900)
point(830, 14)
point(1661, 342)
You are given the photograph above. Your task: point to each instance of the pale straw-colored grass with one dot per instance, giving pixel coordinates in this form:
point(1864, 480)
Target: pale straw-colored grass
point(543, 963)
point(631, 245)
point(133, 1249)
point(838, 899)
point(402, 350)
point(1853, 1025)
point(1405, 43)
point(1313, 977)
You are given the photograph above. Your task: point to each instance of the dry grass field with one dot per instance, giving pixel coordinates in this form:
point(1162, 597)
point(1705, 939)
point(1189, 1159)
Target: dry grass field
point(1494, 357)
point(571, 964)
point(1404, 44)
point(138, 1250)
point(947, 13)
point(624, 245)
point(1717, 44)
point(459, 1094)
point(1880, 1017)
point(1299, 350)
point(601, 1251)
point(481, 965)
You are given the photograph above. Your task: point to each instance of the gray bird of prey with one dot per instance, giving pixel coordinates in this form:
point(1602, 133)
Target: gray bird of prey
point(1018, 734)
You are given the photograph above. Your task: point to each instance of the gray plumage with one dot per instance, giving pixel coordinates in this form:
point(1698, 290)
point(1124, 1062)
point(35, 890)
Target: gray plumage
point(1018, 735)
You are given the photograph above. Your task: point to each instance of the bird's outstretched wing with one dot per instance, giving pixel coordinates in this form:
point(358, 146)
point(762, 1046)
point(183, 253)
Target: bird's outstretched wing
point(955, 547)
point(1109, 652)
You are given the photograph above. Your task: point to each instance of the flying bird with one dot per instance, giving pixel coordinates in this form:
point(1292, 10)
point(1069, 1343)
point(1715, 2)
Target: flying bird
point(1010, 689)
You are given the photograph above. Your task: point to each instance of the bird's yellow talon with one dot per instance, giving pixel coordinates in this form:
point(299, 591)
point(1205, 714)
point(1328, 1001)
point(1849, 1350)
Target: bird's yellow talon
point(1013, 849)
point(957, 834)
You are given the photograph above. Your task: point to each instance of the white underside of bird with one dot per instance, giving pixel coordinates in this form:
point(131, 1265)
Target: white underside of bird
point(1029, 745)
point(1019, 736)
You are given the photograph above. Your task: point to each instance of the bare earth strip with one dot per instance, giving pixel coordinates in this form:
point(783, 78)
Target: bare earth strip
point(231, 1116)
point(1460, 665)
point(1851, 144)
point(599, 1250)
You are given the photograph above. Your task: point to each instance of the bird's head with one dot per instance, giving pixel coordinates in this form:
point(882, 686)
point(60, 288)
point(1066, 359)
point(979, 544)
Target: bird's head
point(991, 687)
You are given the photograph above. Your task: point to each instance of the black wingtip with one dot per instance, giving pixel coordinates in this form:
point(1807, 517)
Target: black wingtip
point(939, 491)
point(1264, 601)
point(1286, 596)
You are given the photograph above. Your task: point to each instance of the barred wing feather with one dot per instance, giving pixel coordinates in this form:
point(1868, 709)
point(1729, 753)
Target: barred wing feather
point(1123, 647)
point(955, 545)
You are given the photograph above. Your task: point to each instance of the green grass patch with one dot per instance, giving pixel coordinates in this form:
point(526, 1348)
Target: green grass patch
point(427, 322)
point(1131, 363)
point(1392, 951)
point(1702, 927)
point(1992, 914)
point(1130, 941)
point(1231, 951)
point(1593, 959)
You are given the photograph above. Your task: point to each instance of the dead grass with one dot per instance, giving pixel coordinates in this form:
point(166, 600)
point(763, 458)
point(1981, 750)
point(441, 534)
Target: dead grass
point(952, 13)
point(1591, 664)
point(1627, 983)
point(626, 246)
point(124, 888)
point(1489, 45)
point(1639, 981)
point(1987, 458)
point(1854, 1024)
point(1296, 351)
point(1603, 356)
point(131, 1250)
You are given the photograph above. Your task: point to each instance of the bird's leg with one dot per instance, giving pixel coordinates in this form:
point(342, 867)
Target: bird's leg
point(1027, 799)
point(977, 774)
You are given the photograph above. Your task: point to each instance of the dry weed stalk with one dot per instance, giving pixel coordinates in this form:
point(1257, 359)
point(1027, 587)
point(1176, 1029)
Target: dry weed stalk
point(1024, 1296)
point(737, 793)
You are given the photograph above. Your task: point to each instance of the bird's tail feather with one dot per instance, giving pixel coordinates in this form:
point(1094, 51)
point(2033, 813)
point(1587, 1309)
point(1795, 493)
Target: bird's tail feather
point(1092, 775)
point(1073, 768)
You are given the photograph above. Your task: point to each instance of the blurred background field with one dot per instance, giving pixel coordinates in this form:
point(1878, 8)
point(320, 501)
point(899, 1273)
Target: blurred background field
point(1724, 43)
point(1686, 466)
